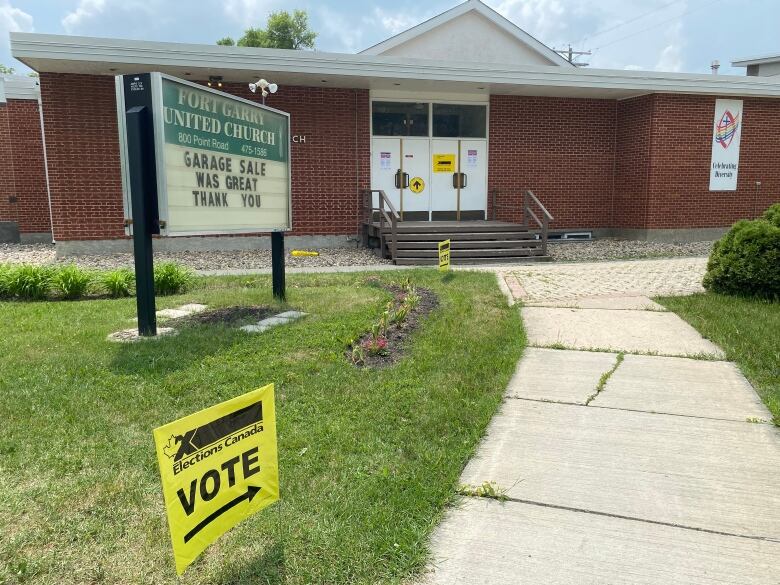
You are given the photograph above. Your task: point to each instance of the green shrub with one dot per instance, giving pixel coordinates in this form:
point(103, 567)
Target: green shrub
point(28, 282)
point(118, 283)
point(746, 261)
point(5, 270)
point(772, 215)
point(171, 278)
point(71, 281)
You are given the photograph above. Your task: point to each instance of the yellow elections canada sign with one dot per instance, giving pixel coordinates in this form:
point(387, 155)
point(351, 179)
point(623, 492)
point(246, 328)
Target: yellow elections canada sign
point(218, 466)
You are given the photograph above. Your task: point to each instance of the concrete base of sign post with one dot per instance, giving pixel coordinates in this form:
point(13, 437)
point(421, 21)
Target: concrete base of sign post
point(177, 313)
point(131, 335)
point(280, 319)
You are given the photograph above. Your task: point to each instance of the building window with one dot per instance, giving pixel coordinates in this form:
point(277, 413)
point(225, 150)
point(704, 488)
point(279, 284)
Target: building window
point(399, 119)
point(458, 121)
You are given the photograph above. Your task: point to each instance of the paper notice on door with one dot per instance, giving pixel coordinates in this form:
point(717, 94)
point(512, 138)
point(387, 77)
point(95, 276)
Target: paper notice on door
point(384, 161)
point(471, 157)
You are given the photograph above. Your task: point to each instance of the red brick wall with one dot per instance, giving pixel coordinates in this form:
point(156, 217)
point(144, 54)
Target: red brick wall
point(656, 147)
point(637, 163)
point(8, 210)
point(562, 149)
point(681, 152)
point(29, 167)
point(81, 132)
point(333, 163)
point(83, 150)
point(632, 169)
point(22, 168)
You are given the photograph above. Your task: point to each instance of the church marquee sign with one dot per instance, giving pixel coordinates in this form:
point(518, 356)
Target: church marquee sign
point(223, 162)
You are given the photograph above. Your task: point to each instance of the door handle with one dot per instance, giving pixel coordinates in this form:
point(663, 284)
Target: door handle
point(463, 180)
point(398, 179)
point(455, 180)
point(459, 180)
point(406, 180)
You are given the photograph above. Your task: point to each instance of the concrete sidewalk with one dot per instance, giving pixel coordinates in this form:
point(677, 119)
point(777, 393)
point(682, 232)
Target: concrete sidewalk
point(619, 467)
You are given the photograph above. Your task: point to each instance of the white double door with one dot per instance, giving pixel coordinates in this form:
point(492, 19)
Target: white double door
point(410, 172)
point(458, 187)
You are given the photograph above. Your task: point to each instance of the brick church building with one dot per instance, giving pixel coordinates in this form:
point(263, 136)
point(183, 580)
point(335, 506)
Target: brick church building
point(608, 152)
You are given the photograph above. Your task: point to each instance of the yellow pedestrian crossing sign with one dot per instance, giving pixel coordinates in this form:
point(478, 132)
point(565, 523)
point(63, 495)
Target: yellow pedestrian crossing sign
point(218, 467)
point(417, 185)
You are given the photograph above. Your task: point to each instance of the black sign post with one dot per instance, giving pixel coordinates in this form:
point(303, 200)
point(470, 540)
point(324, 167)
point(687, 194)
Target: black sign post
point(277, 265)
point(138, 122)
point(143, 194)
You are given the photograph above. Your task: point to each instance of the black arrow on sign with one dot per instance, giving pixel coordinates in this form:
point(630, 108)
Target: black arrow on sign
point(251, 490)
point(416, 184)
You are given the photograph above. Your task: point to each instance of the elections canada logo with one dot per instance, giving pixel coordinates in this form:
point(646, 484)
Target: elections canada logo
point(201, 442)
point(726, 128)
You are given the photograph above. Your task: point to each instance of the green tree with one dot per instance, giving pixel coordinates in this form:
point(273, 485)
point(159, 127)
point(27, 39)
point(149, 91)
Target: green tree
point(6, 70)
point(283, 31)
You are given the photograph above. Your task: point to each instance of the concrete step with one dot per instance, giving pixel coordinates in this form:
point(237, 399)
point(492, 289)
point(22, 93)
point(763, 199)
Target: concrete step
point(460, 236)
point(450, 228)
point(470, 244)
point(480, 253)
point(472, 260)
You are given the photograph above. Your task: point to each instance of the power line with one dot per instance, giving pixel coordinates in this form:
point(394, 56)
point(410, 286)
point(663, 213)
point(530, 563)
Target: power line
point(629, 21)
point(663, 22)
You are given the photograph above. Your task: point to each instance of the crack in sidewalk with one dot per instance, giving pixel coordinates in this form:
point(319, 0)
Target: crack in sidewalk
point(639, 410)
point(644, 520)
point(605, 378)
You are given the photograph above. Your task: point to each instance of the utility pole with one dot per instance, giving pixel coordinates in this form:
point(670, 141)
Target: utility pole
point(570, 54)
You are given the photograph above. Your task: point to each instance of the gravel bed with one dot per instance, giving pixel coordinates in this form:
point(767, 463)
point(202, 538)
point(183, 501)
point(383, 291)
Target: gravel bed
point(608, 249)
point(598, 250)
point(233, 260)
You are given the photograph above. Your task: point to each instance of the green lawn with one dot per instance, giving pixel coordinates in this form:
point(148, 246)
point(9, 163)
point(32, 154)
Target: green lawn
point(368, 458)
point(748, 331)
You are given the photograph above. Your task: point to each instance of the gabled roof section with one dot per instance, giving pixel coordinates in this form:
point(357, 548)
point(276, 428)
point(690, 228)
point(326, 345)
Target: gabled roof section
point(462, 10)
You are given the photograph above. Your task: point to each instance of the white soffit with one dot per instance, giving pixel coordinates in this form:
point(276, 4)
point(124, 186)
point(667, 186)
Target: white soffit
point(98, 56)
point(522, 37)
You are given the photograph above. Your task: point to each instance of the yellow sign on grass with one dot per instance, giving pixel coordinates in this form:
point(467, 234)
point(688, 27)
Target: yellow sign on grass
point(218, 466)
point(444, 255)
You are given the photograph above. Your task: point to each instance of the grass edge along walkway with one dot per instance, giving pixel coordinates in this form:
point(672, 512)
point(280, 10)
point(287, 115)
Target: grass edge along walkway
point(748, 330)
point(369, 459)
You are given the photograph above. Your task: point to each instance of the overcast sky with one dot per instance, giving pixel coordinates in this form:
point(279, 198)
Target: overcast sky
point(681, 35)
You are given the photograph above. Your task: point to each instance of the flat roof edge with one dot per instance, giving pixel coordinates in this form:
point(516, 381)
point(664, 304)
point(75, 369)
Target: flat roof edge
point(17, 87)
point(33, 48)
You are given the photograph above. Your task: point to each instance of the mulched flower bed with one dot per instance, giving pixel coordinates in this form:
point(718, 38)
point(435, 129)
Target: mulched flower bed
point(240, 315)
point(396, 334)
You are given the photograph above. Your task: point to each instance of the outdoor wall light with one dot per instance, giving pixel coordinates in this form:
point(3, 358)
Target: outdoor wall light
point(265, 87)
point(215, 80)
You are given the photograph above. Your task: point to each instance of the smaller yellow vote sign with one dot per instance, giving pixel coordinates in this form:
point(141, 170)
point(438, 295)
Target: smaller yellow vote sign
point(417, 185)
point(444, 255)
point(443, 163)
point(218, 466)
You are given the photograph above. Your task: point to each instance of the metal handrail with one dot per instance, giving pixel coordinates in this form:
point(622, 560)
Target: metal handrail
point(389, 216)
point(547, 217)
point(539, 203)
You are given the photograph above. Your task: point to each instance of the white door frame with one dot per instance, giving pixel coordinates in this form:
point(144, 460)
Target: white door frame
point(430, 99)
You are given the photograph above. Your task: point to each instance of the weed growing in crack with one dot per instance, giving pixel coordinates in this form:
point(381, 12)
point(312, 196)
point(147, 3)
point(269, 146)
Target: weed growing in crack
point(605, 378)
point(488, 489)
